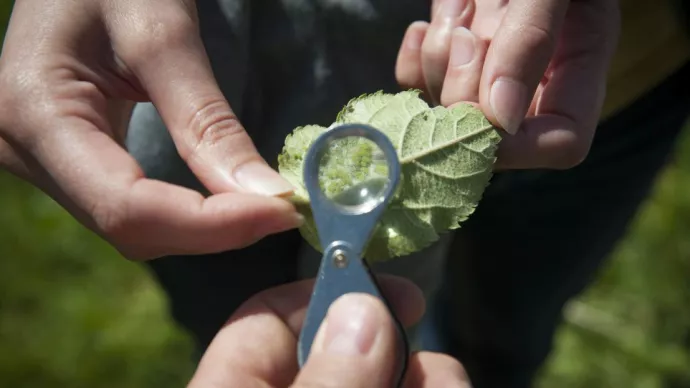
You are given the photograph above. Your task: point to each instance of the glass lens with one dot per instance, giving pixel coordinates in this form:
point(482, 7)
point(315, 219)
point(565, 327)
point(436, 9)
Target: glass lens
point(353, 172)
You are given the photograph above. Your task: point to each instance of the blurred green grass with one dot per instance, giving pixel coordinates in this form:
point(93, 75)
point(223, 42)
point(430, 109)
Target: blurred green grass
point(631, 328)
point(75, 314)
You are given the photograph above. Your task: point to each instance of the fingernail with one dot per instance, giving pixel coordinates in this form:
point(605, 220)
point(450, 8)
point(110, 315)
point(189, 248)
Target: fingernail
point(351, 326)
point(452, 8)
point(259, 178)
point(462, 47)
point(289, 222)
point(508, 99)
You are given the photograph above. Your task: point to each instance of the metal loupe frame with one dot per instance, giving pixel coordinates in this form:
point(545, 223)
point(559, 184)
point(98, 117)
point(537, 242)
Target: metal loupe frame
point(344, 232)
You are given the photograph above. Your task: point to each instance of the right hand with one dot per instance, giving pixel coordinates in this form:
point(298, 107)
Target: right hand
point(70, 72)
point(536, 68)
point(353, 348)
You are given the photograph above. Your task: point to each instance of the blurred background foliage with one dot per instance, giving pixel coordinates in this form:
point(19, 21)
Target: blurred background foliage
point(73, 313)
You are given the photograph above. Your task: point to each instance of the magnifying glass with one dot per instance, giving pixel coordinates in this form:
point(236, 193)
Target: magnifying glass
point(346, 213)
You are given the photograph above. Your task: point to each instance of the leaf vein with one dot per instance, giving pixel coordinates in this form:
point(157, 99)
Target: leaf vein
point(410, 158)
point(447, 176)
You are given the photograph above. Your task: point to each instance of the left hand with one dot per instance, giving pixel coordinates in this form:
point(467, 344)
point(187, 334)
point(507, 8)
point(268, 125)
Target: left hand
point(536, 68)
point(353, 348)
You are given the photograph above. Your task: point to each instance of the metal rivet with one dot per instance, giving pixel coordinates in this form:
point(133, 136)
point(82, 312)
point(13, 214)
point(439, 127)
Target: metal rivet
point(339, 259)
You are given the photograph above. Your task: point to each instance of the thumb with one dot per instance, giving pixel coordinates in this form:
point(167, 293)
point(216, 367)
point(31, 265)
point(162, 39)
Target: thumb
point(172, 66)
point(355, 346)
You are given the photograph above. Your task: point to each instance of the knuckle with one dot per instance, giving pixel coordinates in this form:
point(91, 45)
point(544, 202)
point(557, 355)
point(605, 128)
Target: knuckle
point(150, 36)
point(212, 124)
point(436, 49)
point(125, 229)
point(113, 222)
point(110, 218)
point(534, 38)
point(571, 153)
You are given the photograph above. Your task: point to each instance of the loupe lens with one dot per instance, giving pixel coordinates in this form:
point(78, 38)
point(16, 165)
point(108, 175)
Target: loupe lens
point(353, 172)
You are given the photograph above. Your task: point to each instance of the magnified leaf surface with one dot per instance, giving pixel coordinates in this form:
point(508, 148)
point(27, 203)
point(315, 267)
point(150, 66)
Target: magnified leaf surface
point(446, 156)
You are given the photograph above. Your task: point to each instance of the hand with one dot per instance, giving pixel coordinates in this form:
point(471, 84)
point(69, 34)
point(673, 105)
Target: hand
point(353, 348)
point(536, 68)
point(69, 73)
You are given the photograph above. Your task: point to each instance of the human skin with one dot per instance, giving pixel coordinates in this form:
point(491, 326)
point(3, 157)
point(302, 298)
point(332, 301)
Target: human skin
point(536, 68)
point(70, 72)
point(63, 105)
point(352, 349)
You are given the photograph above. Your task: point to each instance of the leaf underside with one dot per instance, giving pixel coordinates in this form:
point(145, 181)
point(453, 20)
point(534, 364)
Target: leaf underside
point(446, 156)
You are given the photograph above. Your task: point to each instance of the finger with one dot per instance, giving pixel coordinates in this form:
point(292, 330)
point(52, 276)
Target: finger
point(435, 4)
point(257, 347)
point(568, 109)
point(146, 218)
point(436, 45)
point(518, 57)
point(102, 185)
point(408, 67)
point(64, 140)
point(432, 370)
point(355, 347)
point(464, 68)
point(165, 52)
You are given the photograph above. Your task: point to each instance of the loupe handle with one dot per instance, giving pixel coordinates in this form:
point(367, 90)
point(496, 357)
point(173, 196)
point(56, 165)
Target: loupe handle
point(344, 232)
point(342, 272)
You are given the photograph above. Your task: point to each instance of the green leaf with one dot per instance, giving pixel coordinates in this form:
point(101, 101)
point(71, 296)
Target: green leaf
point(446, 155)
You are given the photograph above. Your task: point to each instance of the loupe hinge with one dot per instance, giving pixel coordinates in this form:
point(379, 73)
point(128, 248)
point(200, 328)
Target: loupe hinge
point(340, 254)
point(339, 259)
